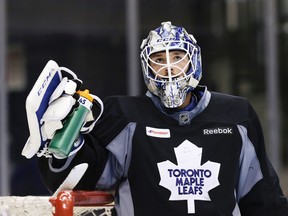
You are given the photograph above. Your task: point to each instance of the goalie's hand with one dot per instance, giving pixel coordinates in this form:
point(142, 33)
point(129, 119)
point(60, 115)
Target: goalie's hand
point(59, 127)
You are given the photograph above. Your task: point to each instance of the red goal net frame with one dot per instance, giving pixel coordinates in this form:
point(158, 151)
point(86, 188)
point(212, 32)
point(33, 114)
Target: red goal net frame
point(66, 200)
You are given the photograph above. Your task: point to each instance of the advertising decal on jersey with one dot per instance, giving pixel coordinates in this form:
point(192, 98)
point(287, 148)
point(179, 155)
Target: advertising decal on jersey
point(158, 132)
point(189, 180)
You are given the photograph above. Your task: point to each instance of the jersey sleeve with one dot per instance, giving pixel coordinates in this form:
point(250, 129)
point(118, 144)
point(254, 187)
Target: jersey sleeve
point(115, 132)
point(54, 171)
point(259, 191)
point(107, 151)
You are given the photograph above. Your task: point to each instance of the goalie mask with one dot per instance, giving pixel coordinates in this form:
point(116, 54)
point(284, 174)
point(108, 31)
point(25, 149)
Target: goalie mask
point(171, 64)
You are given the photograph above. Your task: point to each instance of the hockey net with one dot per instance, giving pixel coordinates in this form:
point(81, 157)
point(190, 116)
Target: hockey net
point(67, 203)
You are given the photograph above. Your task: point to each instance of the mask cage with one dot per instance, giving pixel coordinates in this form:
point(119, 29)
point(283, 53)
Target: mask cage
point(190, 68)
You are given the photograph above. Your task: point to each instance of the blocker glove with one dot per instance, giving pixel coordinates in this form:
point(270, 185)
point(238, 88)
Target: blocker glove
point(53, 98)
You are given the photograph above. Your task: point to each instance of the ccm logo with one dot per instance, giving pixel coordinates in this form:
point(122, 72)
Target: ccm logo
point(44, 83)
point(212, 131)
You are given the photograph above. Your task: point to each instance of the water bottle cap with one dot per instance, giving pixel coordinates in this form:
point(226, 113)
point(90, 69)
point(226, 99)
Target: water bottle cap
point(85, 94)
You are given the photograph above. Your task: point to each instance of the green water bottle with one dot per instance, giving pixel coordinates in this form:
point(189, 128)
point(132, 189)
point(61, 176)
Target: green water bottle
point(62, 142)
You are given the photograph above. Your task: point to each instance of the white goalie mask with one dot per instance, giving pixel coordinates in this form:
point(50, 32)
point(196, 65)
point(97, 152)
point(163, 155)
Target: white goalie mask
point(182, 71)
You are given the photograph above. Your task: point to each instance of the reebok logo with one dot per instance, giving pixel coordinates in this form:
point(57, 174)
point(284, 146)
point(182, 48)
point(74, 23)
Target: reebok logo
point(218, 130)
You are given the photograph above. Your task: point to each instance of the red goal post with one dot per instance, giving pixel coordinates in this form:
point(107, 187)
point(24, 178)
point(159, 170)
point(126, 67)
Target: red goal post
point(66, 203)
point(66, 200)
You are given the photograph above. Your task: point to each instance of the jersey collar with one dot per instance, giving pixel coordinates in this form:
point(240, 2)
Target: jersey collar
point(185, 115)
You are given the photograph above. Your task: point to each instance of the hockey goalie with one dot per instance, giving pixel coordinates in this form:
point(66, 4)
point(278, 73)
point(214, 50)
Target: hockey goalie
point(180, 149)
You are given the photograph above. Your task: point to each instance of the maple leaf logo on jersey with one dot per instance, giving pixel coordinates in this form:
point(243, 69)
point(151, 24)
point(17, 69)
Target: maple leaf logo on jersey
point(189, 180)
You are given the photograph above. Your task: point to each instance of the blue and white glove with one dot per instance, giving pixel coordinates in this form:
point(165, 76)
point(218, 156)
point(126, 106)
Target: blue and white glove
point(50, 101)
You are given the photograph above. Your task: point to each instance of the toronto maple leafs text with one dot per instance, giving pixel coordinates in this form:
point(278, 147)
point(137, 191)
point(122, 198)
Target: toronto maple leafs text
point(189, 181)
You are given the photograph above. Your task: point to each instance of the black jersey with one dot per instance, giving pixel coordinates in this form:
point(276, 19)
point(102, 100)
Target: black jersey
point(208, 161)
